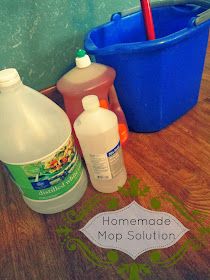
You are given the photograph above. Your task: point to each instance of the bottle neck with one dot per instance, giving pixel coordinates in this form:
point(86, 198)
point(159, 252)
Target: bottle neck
point(91, 110)
point(12, 88)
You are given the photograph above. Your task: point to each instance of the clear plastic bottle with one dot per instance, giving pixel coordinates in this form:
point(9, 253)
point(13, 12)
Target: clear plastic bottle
point(37, 147)
point(97, 131)
point(91, 78)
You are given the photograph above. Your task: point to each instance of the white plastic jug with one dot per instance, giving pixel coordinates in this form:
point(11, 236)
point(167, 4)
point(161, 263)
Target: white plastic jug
point(37, 147)
point(97, 131)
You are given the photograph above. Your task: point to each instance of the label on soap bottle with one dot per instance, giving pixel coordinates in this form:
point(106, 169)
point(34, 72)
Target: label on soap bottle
point(108, 165)
point(50, 177)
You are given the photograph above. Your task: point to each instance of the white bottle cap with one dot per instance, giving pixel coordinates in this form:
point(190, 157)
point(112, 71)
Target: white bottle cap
point(90, 102)
point(9, 77)
point(82, 59)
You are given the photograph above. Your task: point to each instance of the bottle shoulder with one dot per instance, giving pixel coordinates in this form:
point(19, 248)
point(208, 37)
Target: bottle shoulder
point(86, 78)
point(95, 122)
point(33, 126)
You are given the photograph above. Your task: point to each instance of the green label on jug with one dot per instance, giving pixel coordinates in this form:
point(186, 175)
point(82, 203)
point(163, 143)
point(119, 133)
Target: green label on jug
point(52, 176)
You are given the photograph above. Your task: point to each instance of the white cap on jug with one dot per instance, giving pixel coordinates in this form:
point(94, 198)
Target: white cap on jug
point(82, 59)
point(9, 77)
point(90, 102)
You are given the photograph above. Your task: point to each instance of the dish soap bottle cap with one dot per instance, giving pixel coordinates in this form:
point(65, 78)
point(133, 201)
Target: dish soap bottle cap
point(9, 77)
point(82, 59)
point(90, 102)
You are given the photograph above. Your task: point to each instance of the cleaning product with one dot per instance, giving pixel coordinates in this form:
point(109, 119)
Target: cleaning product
point(97, 131)
point(91, 78)
point(37, 147)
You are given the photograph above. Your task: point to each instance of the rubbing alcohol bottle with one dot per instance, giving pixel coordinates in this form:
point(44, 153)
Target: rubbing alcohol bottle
point(97, 131)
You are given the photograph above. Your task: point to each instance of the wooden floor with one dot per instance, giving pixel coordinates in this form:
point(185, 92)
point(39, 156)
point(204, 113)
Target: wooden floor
point(175, 160)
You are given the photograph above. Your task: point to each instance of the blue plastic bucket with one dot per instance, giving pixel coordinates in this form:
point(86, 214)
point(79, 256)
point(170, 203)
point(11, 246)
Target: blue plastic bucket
point(157, 81)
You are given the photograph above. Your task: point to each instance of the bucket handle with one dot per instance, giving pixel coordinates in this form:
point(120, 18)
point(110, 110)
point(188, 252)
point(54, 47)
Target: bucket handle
point(202, 17)
point(161, 3)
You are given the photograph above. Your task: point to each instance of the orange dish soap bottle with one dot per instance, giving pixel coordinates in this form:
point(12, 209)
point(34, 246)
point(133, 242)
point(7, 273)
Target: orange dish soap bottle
point(91, 78)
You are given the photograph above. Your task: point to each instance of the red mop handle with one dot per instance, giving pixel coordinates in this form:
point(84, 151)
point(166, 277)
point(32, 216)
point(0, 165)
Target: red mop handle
point(148, 20)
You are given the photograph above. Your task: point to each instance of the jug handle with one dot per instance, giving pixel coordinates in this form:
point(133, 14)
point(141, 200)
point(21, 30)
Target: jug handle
point(114, 106)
